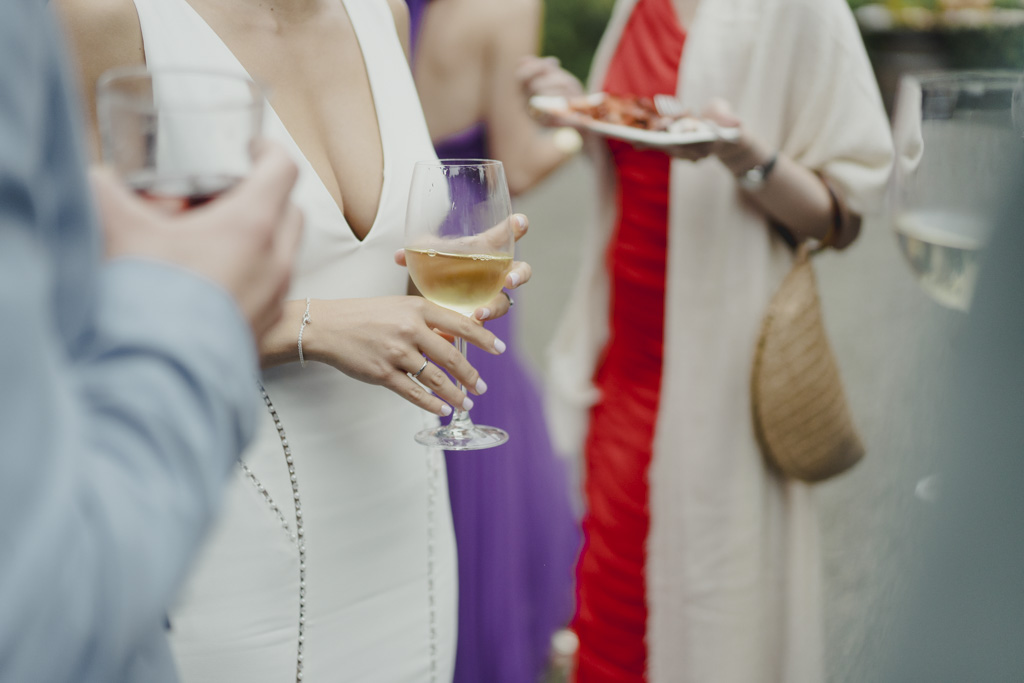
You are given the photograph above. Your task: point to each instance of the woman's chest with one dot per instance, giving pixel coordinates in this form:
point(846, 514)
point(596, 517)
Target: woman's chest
point(320, 90)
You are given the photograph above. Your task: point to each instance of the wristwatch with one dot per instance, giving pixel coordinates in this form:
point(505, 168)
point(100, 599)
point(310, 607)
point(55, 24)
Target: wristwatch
point(755, 178)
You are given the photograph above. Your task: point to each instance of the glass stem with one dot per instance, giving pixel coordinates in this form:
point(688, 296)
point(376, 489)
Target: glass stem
point(460, 417)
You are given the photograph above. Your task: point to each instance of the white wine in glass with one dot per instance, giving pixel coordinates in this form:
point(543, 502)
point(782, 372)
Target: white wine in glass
point(943, 250)
point(459, 246)
point(461, 282)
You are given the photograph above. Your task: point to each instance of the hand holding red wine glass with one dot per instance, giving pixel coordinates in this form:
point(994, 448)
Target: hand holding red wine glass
point(178, 137)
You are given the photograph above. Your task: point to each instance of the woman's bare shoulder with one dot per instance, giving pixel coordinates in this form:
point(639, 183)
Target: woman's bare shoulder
point(104, 33)
point(400, 11)
point(499, 17)
point(490, 15)
point(505, 9)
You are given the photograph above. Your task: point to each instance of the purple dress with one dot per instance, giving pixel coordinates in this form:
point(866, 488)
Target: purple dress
point(515, 529)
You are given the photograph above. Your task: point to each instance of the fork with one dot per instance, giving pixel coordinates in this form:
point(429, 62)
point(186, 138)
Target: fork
point(671, 107)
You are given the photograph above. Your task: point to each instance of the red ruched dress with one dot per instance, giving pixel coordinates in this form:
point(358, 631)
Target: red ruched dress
point(611, 597)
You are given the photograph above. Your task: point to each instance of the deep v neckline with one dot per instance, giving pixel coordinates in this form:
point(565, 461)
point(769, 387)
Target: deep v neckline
point(301, 158)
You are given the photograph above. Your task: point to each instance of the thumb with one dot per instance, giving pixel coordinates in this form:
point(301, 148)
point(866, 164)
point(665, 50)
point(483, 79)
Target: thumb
point(266, 189)
point(719, 111)
point(520, 224)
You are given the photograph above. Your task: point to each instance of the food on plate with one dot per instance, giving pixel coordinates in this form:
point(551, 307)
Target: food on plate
point(632, 118)
point(632, 111)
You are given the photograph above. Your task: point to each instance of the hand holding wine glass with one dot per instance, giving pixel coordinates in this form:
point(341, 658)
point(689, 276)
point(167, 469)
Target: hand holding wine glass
point(178, 137)
point(246, 241)
point(384, 340)
point(518, 275)
point(459, 244)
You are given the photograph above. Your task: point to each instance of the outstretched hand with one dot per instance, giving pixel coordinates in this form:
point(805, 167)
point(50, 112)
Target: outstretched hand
point(731, 152)
point(545, 76)
point(739, 154)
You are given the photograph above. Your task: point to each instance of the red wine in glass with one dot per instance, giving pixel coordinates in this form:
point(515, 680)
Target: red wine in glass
point(181, 193)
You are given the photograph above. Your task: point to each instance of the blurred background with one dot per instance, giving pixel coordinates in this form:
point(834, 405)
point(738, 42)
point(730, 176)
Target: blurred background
point(893, 341)
point(898, 33)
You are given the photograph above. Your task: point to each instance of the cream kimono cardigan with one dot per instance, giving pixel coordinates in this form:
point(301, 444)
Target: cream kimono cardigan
point(733, 586)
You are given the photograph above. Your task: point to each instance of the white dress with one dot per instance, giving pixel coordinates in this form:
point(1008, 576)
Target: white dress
point(374, 503)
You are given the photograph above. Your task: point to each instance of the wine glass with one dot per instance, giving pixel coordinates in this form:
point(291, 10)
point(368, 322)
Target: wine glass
point(459, 245)
point(178, 137)
point(955, 145)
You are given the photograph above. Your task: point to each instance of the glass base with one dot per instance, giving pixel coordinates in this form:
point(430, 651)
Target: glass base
point(457, 438)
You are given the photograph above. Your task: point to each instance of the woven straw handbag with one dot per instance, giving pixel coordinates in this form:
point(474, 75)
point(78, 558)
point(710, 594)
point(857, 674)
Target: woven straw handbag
point(801, 417)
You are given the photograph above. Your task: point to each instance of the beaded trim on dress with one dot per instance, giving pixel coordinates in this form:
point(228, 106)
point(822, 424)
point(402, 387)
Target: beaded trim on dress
point(299, 537)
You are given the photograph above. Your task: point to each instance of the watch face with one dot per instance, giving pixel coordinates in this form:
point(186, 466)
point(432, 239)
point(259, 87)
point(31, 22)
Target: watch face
point(752, 179)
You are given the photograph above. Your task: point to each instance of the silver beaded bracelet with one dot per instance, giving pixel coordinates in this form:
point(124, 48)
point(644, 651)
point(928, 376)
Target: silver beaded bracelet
point(305, 321)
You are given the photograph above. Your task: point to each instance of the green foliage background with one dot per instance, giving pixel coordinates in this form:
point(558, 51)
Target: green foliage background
point(927, 4)
point(572, 29)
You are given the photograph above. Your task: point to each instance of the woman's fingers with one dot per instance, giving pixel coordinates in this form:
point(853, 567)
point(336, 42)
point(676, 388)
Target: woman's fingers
point(719, 111)
point(436, 381)
point(458, 325)
point(531, 68)
point(691, 152)
point(495, 308)
point(494, 239)
point(408, 388)
point(520, 224)
point(545, 76)
point(450, 338)
point(518, 275)
point(445, 356)
point(556, 83)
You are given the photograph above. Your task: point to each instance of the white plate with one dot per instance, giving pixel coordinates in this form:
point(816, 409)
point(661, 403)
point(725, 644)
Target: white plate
point(685, 131)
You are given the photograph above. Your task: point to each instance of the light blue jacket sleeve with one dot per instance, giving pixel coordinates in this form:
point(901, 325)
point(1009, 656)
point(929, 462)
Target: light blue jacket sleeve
point(126, 392)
